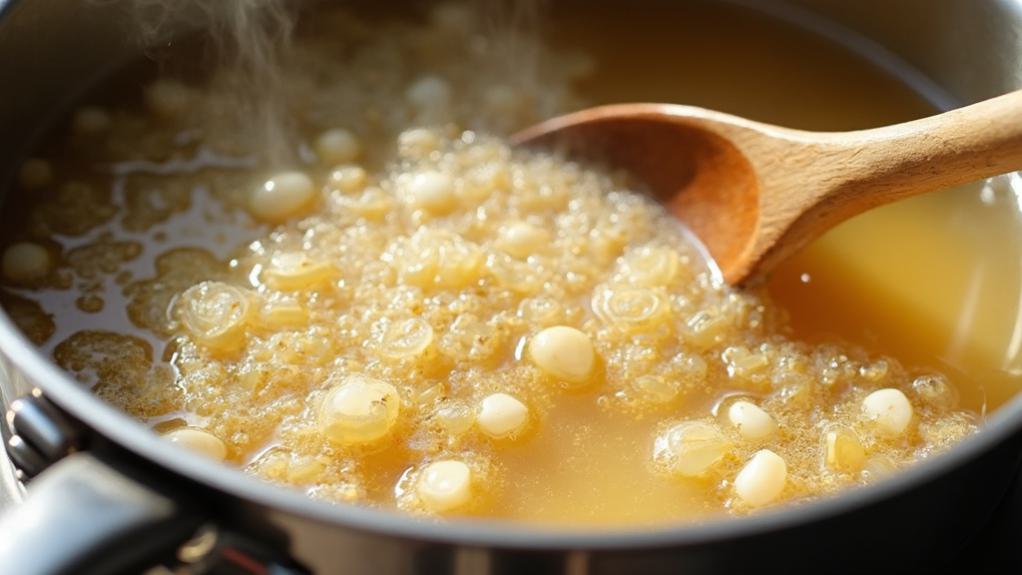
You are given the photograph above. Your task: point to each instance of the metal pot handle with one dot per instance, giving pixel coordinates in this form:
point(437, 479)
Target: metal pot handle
point(83, 516)
point(100, 510)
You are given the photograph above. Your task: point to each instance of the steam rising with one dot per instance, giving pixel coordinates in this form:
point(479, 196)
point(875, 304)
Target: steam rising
point(257, 65)
point(251, 40)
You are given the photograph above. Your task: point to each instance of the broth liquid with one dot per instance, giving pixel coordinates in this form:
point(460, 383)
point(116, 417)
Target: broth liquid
point(933, 281)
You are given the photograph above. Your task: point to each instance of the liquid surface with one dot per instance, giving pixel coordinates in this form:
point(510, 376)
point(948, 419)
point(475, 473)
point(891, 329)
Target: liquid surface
point(169, 208)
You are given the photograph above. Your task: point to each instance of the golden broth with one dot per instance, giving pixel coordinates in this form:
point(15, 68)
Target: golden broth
point(932, 280)
point(926, 281)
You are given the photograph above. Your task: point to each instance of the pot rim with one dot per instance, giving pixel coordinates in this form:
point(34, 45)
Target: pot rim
point(131, 434)
point(125, 431)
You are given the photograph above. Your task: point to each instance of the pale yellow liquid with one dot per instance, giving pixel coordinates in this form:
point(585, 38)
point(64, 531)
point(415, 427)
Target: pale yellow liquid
point(932, 281)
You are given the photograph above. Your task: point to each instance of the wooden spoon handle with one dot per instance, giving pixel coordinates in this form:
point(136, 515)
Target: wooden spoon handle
point(847, 173)
point(948, 149)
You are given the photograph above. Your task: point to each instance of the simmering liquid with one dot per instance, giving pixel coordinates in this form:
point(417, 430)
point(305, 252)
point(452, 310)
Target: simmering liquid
point(408, 313)
point(862, 281)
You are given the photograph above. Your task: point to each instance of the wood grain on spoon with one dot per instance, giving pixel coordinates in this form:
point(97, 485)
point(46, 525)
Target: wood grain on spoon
point(755, 193)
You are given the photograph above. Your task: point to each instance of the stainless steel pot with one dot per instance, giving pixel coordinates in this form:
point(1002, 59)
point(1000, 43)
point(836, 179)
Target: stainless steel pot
point(112, 497)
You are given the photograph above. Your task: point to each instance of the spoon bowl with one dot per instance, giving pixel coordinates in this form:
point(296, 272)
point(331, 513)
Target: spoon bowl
point(756, 193)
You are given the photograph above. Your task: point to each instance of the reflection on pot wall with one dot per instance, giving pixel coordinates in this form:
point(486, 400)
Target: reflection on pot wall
point(972, 49)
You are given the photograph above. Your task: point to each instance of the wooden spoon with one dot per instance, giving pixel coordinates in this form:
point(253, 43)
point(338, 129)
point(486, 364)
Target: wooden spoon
point(755, 193)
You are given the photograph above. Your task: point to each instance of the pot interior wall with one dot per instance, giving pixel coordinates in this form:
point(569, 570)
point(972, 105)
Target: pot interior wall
point(971, 49)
